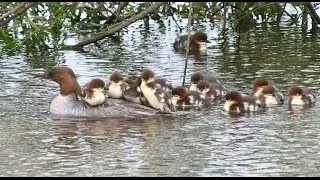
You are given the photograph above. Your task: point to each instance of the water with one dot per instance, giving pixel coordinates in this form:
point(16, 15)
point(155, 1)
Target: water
point(209, 143)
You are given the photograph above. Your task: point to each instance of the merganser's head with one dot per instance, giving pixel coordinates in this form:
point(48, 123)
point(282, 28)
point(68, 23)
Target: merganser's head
point(233, 100)
point(116, 77)
point(258, 84)
point(199, 38)
point(96, 85)
point(296, 95)
point(195, 78)
point(203, 86)
point(271, 95)
point(66, 78)
point(147, 76)
point(178, 94)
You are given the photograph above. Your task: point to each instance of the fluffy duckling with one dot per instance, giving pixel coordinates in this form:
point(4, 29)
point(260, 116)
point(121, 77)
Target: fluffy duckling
point(198, 42)
point(157, 97)
point(181, 97)
point(116, 85)
point(239, 103)
point(93, 93)
point(197, 76)
point(258, 84)
point(213, 91)
point(301, 96)
point(271, 96)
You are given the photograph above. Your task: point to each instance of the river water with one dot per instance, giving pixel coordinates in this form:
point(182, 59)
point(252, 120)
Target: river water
point(277, 142)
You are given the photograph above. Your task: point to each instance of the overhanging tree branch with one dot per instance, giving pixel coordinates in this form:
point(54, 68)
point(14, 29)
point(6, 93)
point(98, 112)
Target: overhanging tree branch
point(117, 27)
point(4, 19)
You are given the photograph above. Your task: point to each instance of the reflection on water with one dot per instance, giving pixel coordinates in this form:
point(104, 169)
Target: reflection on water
point(277, 142)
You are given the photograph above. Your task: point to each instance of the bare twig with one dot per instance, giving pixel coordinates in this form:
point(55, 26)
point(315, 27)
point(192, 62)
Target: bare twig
point(313, 13)
point(121, 6)
point(21, 5)
point(117, 27)
point(188, 43)
point(16, 12)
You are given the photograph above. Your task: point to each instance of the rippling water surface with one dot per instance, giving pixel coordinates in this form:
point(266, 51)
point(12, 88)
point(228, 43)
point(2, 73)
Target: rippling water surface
point(277, 142)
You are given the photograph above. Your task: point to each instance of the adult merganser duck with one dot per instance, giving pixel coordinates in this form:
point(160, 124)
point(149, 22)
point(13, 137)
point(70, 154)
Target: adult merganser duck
point(182, 98)
point(214, 91)
point(157, 97)
point(239, 103)
point(116, 85)
point(270, 96)
point(67, 103)
point(301, 96)
point(198, 42)
point(93, 93)
point(197, 76)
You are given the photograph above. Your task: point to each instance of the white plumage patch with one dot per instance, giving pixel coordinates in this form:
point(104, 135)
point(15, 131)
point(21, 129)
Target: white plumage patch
point(149, 94)
point(191, 99)
point(270, 100)
point(250, 107)
point(202, 46)
point(296, 100)
point(227, 105)
point(175, 100)
point(114, 90)
point(193, 87)
point(97, 98)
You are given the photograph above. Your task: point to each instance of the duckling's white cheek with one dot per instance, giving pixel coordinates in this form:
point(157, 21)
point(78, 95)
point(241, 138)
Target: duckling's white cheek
point(269, 100)
point(202, 46)
point(296, 100)
point(175, 100)
point(206, 90)
point(227, 105)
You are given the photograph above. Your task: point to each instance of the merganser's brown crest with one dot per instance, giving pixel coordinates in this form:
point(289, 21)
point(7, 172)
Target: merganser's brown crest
point(179, 91)
point(196, 77)
point(116, 76)
point(259, 82)
point(203, 84)
point(199, 37)
point(95, 83)
point(234, 96)
point(269, 89)
point(295, 91)
point(147, 74)
point(67, 80)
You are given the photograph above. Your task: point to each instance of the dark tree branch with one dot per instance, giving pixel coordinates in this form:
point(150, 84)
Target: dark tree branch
point(315, 17)
point(117, 27)
point(4, 19)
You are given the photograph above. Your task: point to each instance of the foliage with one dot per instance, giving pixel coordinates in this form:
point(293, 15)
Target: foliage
point(44, 25)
